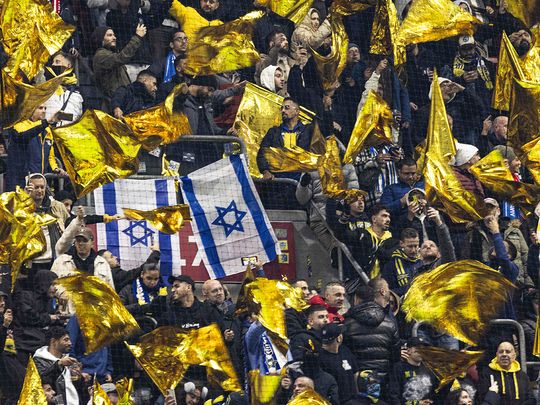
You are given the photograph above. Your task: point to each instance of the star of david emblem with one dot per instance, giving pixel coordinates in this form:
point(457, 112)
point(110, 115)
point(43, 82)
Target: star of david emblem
point(238, 216)
point(138, 232)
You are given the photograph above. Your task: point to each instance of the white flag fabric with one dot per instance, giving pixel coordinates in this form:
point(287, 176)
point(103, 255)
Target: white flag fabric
point(130, 241)
point(228, 220)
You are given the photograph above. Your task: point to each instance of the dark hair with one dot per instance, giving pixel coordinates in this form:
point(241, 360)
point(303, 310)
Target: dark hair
point(315, 308)
point(290, 99)
point(270, 37)
point(149, 267)
point(56, 332)
point(408, 233)
point(364, 293)
point(377, 208)
point(405, 162)
point(296, 280)
point(66, 55)
point(453, 397)
point(147, 73)
point(179, 59)
point(101, 252)
point(171, 38)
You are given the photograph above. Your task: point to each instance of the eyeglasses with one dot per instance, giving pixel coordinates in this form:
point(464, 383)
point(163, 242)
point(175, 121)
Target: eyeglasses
point(181, 39)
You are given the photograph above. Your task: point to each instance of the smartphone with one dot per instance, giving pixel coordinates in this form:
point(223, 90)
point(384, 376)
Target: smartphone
point(64, 116)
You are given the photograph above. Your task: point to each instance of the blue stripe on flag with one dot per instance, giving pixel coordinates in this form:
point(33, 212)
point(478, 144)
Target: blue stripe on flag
point(204, 229)
point(254, 207)
point(166, 258)
point(111, 228)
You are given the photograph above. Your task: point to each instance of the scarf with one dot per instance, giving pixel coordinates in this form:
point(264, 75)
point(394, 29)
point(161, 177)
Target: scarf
point(481, 68)
point(145, 295)
point(169, 67)
point(72, 396)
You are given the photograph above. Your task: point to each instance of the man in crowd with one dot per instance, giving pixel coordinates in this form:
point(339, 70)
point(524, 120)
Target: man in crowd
point(494, 133)
point(317, 318)
point(164, 68)
point(139, 95)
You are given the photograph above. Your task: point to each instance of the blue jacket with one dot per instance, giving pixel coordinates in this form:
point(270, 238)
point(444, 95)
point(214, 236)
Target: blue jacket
point(509, 269)
point(393, 193)
point(399, 272)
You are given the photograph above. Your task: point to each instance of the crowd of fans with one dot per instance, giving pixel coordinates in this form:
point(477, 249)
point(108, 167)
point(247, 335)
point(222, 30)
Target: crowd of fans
point(352, 345)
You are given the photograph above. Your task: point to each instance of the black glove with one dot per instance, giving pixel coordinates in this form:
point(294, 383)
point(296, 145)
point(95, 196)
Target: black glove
point(305, 180)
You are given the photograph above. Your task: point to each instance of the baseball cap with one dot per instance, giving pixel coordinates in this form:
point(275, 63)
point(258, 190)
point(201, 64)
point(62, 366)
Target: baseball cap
point(108, 387)
point(183, 279)
point(330, 332)
point(415, 341)
point(491, 201)
point(466, 40)
point(85, 233)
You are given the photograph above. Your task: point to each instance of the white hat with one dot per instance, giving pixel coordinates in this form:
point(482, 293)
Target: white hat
point(440, 80)
point(466, 40)
point(464, 153)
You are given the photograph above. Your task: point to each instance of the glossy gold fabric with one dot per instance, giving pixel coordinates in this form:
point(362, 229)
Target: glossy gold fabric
point(508, 68)
point(223, 48)
point(102, 316)
point(100, 397)
point(384, 31)
point(271, 297)
point(168, 220)
point(96, 150)
point(350, 7)
point(125, 388)
point(308, 397)
point(536, 345)
point(372, 127)
point(21, 99)
point(21, 236)
point(448, 365)
point(32, 390)
point(528, 11)
point(189, 19)
point(294, 10)
point(259, 111)
point(433, 20)
point(31, 33)
point(331, 66)
point(169, 168)
point(263, 388)
point(291, 159)
point(167, 352)
point(160, 125)
point(492, 172)
point(452, 298)
point(523, 124)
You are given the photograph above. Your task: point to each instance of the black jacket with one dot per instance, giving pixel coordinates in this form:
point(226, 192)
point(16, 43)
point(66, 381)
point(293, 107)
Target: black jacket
point(133, 97)
point(199, 315)
point(514, 386)
point(299, 343)
point(372, 335)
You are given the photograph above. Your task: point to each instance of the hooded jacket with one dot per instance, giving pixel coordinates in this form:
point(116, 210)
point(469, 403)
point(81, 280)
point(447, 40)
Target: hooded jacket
point(513, 384)
point(372, 336)
point(308, 37)
point(267, 78)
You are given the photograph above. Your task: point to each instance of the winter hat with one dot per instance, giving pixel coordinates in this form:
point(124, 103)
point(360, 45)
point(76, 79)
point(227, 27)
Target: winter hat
point(353, 45)
point(464, 153)
point(98, 35)
point(440, 80)
point(506, 151)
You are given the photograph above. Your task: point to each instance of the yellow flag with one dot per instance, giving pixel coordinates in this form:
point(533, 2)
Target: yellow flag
point(291, 159)
point(124, 387)
point(350, 7)
point(167, 352)
point(96, 150)
point(493, 173)
point(31, 33)
point(508, 68)
point(263, 387)
point(21, 99)
point(272, 297)
point(160, 125)
point(531, 61)
point(102, 316)
point(452, 298)
point(168, 220)
point(21, 236)
point(223, 48)
point(536, 345)
point(372, 127)
point(259, 111)
point(32, 390)
point(189, 19)
point(433, 20)
point(331, 66)
point(292, 9)
point(523, 124)
point(448, 365)
point(169, 168)
point(384, 31)
point(308, 397)
point(528, 11)
point(241, 301)
point(100, 397)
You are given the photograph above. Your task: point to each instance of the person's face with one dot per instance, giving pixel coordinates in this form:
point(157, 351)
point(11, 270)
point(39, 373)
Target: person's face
point(304, 287)
point(414, 354)
point(474, 159)
point(111, 259)
point(51, 292)
point(2, 304)
point(39, 113)
point(318, 319)
point(464, 398)
point(429, 250)
point(150, 278)
point(63, 345)
point(382, 219)
point(410, 247)
point(335, 296)
point(353, 55)
point(179, 290)
point(514, 165)
point(467, 51)
point(181, 66)
point(281, 41)
point(113, 397)
point(205, 92)
point(289, 110)
point(214, 292)
point(83, 246)
point(150, 83)
point(358, 206)
point(500, 128)
point(49, 393)
point(209, 6)
point(522, 41)
point(506, 354)
point(315, 20)
point(193, 398)
point(279, 79)
point(179, 43)
point(445, 90)
point(407, 174)
point(39, 188)
point(109, 39)
point(301, 384)
point(464, 7)
point(68, 204)
point(61, 60)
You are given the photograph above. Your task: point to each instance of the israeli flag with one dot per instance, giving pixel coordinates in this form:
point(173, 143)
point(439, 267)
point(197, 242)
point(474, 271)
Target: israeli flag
point(228, 219)
point(130, 241)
